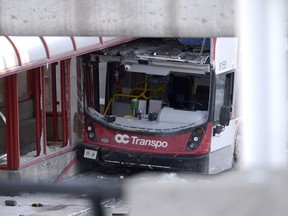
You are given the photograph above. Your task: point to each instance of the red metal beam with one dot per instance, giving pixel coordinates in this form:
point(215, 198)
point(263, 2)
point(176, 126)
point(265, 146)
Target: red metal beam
point(46, 47)
point(80, 90)
point(44, 127)
point(63, 102)
point(48, 156)
point(37, 109)
point(101, 40)
point(88, 88)
point(74, 43)
point(54, 103)
point(68, 105)
point(12, 122)
point(67, 168)
point(16, 50)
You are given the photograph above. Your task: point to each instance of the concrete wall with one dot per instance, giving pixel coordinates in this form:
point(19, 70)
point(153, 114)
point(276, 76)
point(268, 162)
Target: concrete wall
point(46, 171)
point(74, 102)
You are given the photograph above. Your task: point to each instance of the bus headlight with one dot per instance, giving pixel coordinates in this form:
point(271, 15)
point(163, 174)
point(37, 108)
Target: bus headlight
point(195, 138)
point(89, 128)
point(192, 145)
point(91, 135)
point(90, 131)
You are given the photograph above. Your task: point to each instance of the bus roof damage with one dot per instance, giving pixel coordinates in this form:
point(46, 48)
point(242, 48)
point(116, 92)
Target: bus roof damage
point(172, 53)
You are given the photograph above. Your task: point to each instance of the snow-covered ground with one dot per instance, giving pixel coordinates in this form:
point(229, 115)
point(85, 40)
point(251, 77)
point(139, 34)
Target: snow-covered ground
point(65, 204)
point(118, 206)
point(45, 204)
point(131, 177)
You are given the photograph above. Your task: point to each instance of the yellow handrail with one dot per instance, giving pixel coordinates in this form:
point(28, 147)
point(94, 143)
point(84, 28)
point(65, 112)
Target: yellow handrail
point(141, 95)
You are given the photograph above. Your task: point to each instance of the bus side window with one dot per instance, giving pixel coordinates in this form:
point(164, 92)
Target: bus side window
point(224, 93)
point(229, 84)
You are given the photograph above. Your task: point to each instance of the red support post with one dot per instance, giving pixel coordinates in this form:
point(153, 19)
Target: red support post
point(63, 102)
point(101, 40)
point(12, 122)
point(54, 104)
point(44, 127)
point(68, 105)
point(80, 98)
point(37, 109)
point(87, 74)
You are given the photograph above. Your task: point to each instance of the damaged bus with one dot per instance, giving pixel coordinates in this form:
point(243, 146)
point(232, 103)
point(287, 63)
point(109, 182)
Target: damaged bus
point(165, 103)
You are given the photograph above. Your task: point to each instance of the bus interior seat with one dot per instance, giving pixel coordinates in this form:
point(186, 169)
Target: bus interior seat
point(201, 96)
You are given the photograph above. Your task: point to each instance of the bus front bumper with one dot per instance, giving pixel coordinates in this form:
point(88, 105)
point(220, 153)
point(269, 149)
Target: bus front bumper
point(194, 163)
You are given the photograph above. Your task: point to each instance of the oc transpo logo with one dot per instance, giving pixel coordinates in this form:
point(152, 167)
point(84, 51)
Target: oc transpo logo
point(122, 138)
point(135, 140)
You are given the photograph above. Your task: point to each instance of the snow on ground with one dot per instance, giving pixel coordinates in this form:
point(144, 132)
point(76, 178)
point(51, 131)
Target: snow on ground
point(125, 176)
point(44, 204)
point(65, 202)
point(171, 177)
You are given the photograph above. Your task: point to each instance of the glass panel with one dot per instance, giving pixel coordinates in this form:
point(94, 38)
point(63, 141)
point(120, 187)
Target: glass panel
point(59, 45)
point(30, 48)
point(53, 108)
point(27, 120)
point(224, 93)
point(219, 95)
point(82, 42)
point(22, 85)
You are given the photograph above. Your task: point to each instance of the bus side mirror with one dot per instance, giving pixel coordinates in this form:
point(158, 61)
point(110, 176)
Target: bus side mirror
point(225, 116)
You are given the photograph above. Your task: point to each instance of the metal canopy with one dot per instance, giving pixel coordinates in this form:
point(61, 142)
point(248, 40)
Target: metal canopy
point(19, 53)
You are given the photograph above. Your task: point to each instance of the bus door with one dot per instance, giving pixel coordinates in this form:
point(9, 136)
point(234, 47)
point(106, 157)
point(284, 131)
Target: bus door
point(224, 118)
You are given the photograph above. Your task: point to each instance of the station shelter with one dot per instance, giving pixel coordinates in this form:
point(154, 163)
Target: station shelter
point(41, 103)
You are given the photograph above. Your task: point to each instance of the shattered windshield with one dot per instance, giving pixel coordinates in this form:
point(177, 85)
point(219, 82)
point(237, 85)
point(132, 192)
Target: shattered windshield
point(162, 82)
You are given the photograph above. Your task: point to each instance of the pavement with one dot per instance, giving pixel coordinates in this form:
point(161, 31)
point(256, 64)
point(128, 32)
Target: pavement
point(67, 204)
point(40, 204)
point(46, 205)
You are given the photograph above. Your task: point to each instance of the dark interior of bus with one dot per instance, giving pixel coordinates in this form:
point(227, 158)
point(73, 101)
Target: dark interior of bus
point(176, 90)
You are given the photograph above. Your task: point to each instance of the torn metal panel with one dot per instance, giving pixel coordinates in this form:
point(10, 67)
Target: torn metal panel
point(144, 54)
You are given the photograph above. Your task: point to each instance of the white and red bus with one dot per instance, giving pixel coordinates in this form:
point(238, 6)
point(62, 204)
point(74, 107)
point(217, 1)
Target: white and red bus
point(162, 103)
